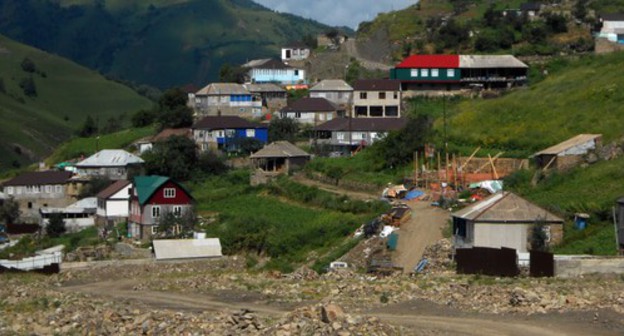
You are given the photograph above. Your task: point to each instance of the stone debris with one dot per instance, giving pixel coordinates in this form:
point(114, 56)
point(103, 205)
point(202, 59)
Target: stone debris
point(438, 257)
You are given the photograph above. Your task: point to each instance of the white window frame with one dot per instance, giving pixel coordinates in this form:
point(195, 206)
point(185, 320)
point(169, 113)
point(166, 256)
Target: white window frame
point(154, 229)
point(250, 133)
point(156, 211)
point(414, 73)
point(340, 135)
point(9, 190)
point(59, 189)
point(169, 193)
point(424, 73)
point(450, 72)
point(48, 189)
point(435, 73)
point(177, 210)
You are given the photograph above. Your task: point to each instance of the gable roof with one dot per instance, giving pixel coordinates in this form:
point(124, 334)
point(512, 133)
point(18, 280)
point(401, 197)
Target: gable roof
point(377, 85)
point(112, 189)
point(169, 132)
point(225, 122)
point(572, 142)
point(146, 186)
point(489, 61)
point(110, 158)
point(308, 104)
point(506, 207)
point(39, 178)
point(280, 149)
point(331, 85)
point(430, 61)
point(215, 89)
point(264, 87)
point(295, 45)
point(363, 124)
point(268, 63)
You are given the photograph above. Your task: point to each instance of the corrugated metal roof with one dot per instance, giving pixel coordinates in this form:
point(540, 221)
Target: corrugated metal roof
point(279, 149)
point(112, 189)
point(110, 158)
point(147, 185)
point(268, 63)
point(489, 61)
point(332, 85)
point(363, 124)
point(506, 207)
point(430, 61)
point(225, 122)
point(308, 104)
point(39, 178)
point(187, 248)
point(85, 205)
point(215, 89)
point(169, 132)
point(572, 142)
point(264, 87)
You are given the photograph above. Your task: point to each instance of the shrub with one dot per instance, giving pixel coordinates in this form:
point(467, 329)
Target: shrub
point(28, 65)
point(28, 87)
point(56, 226)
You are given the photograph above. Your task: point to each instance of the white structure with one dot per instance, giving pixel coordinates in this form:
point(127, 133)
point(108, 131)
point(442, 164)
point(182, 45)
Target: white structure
point(311, 111)
point(336, 91)
point(274, 71)
point(77, 216)
point(166, 249)
point(33, 263)
point(231, 99)
point(295, 51)
point(379, 98)
point(111, 163)
point(113, 203)
point(612, 27)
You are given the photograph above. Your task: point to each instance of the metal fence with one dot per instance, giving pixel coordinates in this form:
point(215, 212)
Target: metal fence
point(487, 261)
point(22, 228)
point(542, 264)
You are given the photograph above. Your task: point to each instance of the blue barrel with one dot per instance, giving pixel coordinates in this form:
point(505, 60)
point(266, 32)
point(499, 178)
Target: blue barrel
point(580, 220)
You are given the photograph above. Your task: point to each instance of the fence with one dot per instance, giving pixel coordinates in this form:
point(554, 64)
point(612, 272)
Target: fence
point(37, 263)
point(22, 228)
point(487, 261)
point(542, 264)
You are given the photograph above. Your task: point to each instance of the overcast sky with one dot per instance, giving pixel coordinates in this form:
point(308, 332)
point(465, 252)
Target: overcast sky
point(337, 12)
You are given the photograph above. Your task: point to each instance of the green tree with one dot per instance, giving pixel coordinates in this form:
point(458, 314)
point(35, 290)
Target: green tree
point(172, 225)
point(175, 157)
point(143, 118)
point(28, 87)
point(580, 10)
point(9, 211)
point(181, 116)
point(398, 147)
point(28, 65)
point(2, 87)
point(353, 72)
point(283, 129)
point(310, 41)
point(94, 186)
point(89, 127)
point(172, 99)
point(56, 225)
point(232, 74)
point(557, 23)
point(210, 163)
point(539, 238)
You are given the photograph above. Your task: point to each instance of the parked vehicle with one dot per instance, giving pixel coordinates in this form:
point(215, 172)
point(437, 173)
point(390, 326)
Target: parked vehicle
point(334, 265)
point(4, 238)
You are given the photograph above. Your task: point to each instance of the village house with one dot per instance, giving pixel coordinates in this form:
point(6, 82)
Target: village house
point(336, 91)
point(436, 74)
point(115, 164)
point(612, 27)
point(227, 99)
point(225, 132)
point(274, 71)
point(113, 203)
point(569, 153)
point(273, 97)
point(152, 198)
point(146, 144)
point(377, 98)
point(36, 190)
point(280, 157)
point(77, 216)
point(350, 133)
point(503, 219)
point(310, 111)
point(295, 51)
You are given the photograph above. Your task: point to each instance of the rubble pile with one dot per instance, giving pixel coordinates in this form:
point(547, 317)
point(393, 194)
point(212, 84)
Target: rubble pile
point(438, 257)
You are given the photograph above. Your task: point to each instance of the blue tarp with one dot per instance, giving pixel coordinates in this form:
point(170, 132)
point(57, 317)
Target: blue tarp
point(413, 194)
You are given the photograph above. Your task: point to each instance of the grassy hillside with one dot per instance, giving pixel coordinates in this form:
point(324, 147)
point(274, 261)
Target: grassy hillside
point(66, 94)
point(163, 43)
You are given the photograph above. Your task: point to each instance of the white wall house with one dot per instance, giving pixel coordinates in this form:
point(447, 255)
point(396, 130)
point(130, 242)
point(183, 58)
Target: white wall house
point(113, 202)
point(296, 51)
point(612, 27)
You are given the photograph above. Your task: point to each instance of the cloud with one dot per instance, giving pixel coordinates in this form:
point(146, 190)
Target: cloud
point(337, 12)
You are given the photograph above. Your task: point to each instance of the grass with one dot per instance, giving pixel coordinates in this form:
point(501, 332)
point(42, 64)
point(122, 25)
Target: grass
point(66, 93)
point(28, 244)
point(78, 147)
point(597, 239)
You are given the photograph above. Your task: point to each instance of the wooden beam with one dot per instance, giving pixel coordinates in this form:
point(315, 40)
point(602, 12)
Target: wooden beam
point(550, 162)
point(470, 158)
point(493, 167)
point(488, 163)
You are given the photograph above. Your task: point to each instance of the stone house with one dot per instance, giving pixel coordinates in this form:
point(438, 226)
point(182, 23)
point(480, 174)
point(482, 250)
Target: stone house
point(378, 98)
point(227, 99)
point(336, 91)
point(115, 164)
point(310, 111)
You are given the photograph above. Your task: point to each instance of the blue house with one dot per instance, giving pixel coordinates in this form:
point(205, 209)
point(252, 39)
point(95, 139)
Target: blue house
point(226, 132)
point(274, 71)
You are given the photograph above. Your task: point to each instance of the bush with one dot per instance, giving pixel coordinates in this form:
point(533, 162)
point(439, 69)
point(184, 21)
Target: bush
point(56, 226)
point(28, 65)
point(28, 87)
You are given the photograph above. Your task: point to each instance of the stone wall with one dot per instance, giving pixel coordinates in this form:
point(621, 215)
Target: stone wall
point(573, 266)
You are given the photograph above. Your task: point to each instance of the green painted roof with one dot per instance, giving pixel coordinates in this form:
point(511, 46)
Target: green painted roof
point(147, 185)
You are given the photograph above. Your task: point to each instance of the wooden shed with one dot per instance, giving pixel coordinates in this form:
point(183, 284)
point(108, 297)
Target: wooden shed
point(569, 153)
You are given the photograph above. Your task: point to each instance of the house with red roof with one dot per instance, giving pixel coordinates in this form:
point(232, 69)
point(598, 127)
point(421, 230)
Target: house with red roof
point(151, 199)
point(423, 73)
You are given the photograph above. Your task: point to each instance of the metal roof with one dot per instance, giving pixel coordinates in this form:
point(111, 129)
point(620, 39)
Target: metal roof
point(264, 87)
point(225, 122)
point(39, 178)
point(430, 61)
point(279, 149)
point(332, 85)
point(506, 207)
point(267, 63)
point(572, 142)
point(147, 185)
point(215, 89)
point(377, 85)
point(489, 61)
point(308, 104)
point(110, 158)
point(187, 248)
point(85, 205)
point(113, 189)
point(363, 124)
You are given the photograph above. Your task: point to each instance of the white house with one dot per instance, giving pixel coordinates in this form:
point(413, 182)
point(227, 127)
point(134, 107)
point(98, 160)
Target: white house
point(274, 71)
point(77, 216)
point(113, 203)
point(612, 27)
point(295, 51)
point(311, 111)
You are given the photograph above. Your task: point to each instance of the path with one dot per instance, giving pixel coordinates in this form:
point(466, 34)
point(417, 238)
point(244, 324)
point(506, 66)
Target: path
point(361, 195)
point(421, 230)
point(370, 65)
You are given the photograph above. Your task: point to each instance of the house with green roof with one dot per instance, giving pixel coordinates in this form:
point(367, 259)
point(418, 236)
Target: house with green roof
point(151, 199)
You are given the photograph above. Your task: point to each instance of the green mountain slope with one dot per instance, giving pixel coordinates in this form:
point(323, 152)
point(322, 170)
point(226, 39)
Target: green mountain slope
point(158, 42)
point(66, 94)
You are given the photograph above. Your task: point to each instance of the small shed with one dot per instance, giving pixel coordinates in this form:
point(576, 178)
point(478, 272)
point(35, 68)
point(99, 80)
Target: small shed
point(279, 157)
point(503, 220)
point(569, 153)
point(167, 249)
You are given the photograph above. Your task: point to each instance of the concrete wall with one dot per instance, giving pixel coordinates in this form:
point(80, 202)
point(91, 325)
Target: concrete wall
point(373, 99)
point(572, 266)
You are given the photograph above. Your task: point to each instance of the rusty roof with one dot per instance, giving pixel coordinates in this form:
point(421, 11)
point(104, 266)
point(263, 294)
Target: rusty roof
point(308, 104)
point(169, 132)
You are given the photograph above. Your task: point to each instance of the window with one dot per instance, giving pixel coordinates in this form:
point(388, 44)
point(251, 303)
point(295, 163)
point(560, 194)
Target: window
point(296, 72)
point(435, 72)
point(392, 111)
point(450, 72)
point(376, 111)
point(361, 111)
point(29, 205)
point(340, 135)
point(169, 192)
point(298, 115)
point(382, 95)
point(154, 229)
point(177, 210)
point(59, 189)
point(396, 95)
point(362, 95)
point(9, 190)
point(414, 73)
point(155, 211)
point(251, 133)
point(424, 72)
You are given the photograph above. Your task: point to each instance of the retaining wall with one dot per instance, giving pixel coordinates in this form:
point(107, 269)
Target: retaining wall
point(573, 266)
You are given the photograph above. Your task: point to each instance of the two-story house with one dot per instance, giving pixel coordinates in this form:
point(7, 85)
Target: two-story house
point(351, 133)
point(231, 99)
point(336, 91)
point(273, 97)
point(295, 51)
point(152, 197)
point(113, 203)
point(378, 98)
point(115, 164)
point(311, 111)
point(274, 71)
point(36, 190)
point(225, 132)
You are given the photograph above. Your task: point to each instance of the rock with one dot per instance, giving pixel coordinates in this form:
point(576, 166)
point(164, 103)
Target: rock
point(331, 312)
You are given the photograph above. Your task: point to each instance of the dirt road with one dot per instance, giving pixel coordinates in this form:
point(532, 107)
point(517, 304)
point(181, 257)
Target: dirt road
point(353, 52)
point(421, 230)
point(300, 178)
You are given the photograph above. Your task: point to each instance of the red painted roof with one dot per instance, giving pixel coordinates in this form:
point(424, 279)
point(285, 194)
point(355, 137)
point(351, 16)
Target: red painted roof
point(430, 61)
